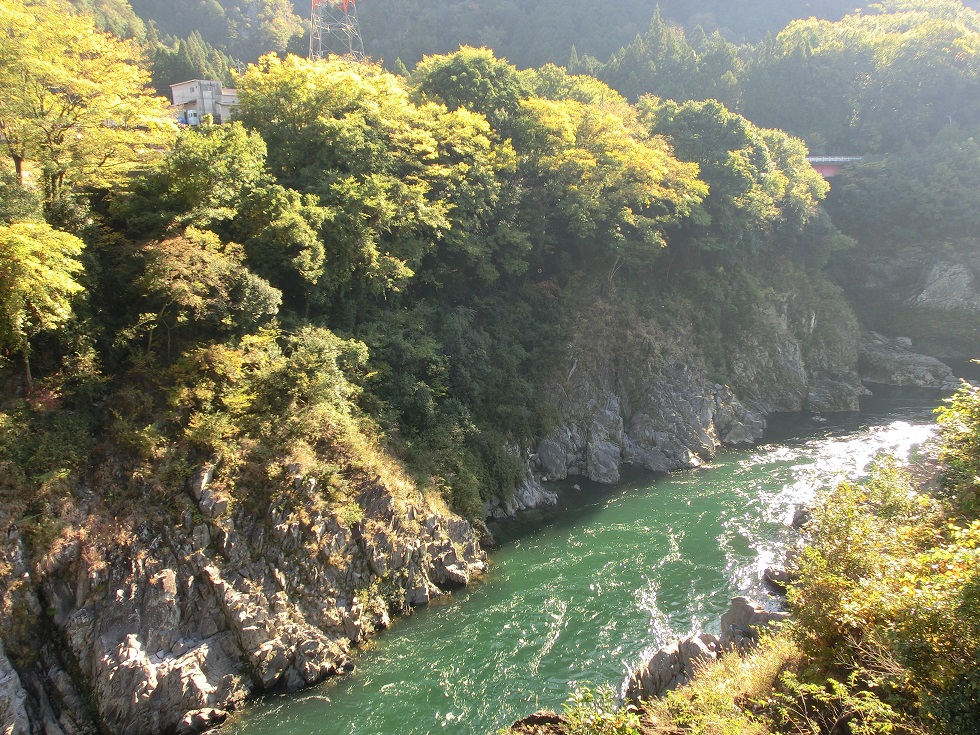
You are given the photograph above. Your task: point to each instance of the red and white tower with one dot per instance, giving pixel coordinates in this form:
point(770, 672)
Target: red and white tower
point(334, 29)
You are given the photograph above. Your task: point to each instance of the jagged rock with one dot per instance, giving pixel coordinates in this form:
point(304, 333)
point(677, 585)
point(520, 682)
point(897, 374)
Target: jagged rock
point(832, 396)
point(801, 516)
point(529, 493)
point(676, 663)
point(949, 286)
point(777, 578)
point(671, 666)
point(888, 361)
point(200, 480)
point(541, 723)
point(200, 720)
point(13, 700)
point(742, 622)
point(662, 420)
point(156, 626)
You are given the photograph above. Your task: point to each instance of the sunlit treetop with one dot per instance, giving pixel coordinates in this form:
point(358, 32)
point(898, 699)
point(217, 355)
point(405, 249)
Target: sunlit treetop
point(75, 110)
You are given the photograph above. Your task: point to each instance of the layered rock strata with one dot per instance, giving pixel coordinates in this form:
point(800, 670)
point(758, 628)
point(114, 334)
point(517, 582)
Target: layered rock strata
point(168, 628)
point(891, 361)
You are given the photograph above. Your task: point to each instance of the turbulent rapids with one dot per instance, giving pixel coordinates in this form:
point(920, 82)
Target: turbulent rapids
point(580, 594)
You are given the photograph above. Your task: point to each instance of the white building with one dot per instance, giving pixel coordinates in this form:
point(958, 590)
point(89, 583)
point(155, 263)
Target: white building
point(199, 97)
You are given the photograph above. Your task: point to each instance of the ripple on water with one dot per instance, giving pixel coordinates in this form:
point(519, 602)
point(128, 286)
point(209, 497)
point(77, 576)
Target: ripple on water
point(584, 598)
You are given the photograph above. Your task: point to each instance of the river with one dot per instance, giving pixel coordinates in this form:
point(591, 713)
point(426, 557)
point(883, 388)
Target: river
point(579, 594)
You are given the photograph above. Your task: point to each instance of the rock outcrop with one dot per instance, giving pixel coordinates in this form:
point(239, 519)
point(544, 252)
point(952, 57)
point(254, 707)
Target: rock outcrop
point(671, 666)
point(928, 292)
point(661, 418)
point(743, 621)
point(529, 493)
point(646, 400)
point(165, 629)
point(891, 361)
point(677, 663)
point(13, 699)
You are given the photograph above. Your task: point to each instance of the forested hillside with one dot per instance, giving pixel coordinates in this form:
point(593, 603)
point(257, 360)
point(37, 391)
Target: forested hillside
point(351, 312)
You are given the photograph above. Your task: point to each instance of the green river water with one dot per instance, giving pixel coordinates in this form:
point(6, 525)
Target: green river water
point(580, 593)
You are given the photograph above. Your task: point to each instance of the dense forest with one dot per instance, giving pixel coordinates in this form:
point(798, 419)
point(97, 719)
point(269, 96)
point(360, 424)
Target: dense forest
point(368, 276)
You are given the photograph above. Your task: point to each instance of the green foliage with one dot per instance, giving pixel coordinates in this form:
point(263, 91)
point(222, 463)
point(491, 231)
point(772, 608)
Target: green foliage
point(38, 270)
point(862, 84)
point(195, 283)
point(211, 169)
point(925, 194)
point(886, 596)
point(189, 58)
point(603, 189)
point(389, 174)
point(800, 707)
point(762, 192)
point(959, 423)
point(473, 79)
point(245, 29)
point(594, 712)
point(74, 106)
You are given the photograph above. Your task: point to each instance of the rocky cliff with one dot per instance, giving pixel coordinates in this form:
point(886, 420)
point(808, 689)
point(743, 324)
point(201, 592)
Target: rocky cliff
point(641, 396)
point(929, 293)
point(147, 627)
point(159, 622)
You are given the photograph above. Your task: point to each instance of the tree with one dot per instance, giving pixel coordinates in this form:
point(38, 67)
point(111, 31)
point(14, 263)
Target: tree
point(38, 266)
point(600, 183)
point(473, 78)
point(394, 178)
point(74, 108)
point(196, 281)
point(212, 168)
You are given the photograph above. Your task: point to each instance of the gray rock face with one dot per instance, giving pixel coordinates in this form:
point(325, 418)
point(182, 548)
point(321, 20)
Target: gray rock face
point(168, 628)
point(664, 419)
point(795, 356)
point(13, 700)
point(742, 622)
point(645, 401)
point(889, 361)
point(677, 663)
point(949, 286)
point(671, 666)
point(929, 291)
point(529, 493)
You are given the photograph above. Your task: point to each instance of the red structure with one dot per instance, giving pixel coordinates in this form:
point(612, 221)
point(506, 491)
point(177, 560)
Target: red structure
point(830, 166)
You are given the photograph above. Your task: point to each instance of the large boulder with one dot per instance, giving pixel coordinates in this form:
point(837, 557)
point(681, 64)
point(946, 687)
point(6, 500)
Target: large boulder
point(744, 620)
point(13, 700)
point(891, 361)
point(671, 666)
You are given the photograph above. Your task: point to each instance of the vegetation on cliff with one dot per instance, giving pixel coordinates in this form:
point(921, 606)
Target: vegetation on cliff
point(367, 276)
point(396, 256)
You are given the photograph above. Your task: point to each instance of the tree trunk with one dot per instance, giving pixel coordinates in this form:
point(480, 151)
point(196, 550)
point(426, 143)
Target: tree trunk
point(27, 369)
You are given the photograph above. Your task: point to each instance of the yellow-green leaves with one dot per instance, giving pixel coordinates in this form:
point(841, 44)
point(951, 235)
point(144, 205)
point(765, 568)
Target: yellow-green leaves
point(613, 188)
point(38, 268)
point(74, 109)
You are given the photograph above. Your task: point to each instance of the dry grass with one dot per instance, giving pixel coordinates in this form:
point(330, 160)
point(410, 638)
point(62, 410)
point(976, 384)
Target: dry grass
point(724, 697)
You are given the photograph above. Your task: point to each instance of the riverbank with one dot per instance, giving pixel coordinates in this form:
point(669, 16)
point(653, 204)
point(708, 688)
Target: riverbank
point(583, 592)
point(884, 636)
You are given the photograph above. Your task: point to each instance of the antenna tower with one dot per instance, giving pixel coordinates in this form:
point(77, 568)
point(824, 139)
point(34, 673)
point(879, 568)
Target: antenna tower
point(334, 29)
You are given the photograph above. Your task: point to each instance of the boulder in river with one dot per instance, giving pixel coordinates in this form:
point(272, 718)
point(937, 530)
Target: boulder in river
point(890, 361)
point(743, 621)
point(676, 663)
